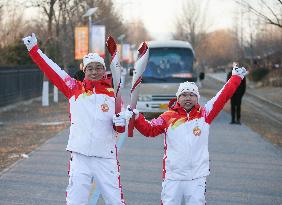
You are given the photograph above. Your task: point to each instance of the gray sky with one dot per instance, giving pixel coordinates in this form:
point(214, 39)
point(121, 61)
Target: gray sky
point(159, 15)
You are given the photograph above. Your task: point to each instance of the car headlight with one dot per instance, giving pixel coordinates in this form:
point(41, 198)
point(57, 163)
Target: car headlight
point(144, 98)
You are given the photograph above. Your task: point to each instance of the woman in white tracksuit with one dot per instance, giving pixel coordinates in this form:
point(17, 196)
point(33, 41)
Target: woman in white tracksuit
point(186, 128)
point(92, 138)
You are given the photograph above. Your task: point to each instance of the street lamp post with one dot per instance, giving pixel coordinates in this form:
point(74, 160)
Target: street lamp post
point(89, 14)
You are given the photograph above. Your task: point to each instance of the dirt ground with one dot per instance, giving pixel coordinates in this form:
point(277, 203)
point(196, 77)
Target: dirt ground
point(27, 126)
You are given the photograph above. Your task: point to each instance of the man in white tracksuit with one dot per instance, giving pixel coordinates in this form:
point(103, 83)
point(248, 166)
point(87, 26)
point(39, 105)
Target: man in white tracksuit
point(186, 128)
point(92, 138)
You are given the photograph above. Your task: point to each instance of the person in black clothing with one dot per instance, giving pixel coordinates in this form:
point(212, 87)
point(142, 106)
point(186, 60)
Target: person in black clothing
point(79, 75)
point(236, 100)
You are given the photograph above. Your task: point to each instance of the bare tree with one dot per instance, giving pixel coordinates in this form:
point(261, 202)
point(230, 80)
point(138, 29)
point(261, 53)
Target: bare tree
point(13, 19)
point(63, 37)
point(218, 48)
point(191, 26)
point(191, 23)
point(48, 9)
point(69, 14)
point(1, 11)
point(55, 26)
point(137, 33)
point(270, 11)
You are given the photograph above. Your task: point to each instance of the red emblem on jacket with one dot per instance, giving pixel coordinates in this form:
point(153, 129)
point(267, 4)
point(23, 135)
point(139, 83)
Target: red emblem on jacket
point(104, 107)
point(197, 131)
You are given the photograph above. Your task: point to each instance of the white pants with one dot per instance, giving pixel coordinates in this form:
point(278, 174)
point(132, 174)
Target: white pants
point(192, 191)
point(84, 170)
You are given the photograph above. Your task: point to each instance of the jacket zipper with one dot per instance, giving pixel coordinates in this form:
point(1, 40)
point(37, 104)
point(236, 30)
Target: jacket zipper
point(189, 144)
point(95, 114)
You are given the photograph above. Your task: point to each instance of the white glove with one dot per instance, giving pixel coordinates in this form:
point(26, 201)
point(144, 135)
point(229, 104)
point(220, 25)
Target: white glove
point(129, 113)
point(30, 41)
point(242, 72)
point(119, 119)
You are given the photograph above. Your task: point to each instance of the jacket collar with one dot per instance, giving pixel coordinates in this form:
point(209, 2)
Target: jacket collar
point(103, 83)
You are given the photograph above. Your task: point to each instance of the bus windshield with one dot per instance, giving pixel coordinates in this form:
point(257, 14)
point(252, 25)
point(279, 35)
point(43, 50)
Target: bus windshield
point(168, 65)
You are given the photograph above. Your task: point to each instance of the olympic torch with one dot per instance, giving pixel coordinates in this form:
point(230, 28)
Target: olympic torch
point(116, 71)
point(139, 68)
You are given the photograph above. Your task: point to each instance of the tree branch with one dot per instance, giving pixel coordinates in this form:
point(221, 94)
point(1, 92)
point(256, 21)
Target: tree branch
point(259, 13)
point(45, 11)
point(267, 6)
point(280, 1)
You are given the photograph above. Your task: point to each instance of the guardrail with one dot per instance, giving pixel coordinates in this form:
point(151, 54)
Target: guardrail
point(24, 82)
point(19, 83)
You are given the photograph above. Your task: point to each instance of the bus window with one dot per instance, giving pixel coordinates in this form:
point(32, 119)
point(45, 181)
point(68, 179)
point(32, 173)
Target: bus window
point(169, 64)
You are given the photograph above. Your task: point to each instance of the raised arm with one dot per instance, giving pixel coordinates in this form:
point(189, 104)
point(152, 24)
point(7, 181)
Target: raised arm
point(54, 73)
point(216, 104)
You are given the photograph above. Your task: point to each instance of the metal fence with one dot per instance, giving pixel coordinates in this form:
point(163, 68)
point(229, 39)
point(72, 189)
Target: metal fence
point(23, 82)
point(19, 83)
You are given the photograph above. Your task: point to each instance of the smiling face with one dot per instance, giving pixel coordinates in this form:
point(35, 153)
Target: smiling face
point(94, 71)
point(187, 100)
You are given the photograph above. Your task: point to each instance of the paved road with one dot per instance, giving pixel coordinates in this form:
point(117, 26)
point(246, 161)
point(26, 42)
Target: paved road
point(40, 179)
point(245, 170)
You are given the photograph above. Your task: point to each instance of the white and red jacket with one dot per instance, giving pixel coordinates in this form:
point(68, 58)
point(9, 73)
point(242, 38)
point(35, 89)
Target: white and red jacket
point(91, 107)
point(186, 155)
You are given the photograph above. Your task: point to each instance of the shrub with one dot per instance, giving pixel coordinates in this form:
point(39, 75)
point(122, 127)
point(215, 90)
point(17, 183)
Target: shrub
point(258, 74)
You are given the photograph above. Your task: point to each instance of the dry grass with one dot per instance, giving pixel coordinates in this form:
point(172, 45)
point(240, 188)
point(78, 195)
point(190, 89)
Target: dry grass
point(22, 132)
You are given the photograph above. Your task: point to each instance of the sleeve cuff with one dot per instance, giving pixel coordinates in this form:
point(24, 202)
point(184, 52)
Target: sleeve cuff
point(119, 129)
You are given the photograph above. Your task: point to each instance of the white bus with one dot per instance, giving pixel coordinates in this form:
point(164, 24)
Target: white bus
point(170, 63)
